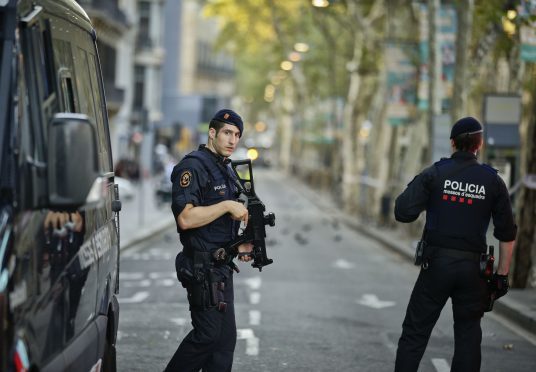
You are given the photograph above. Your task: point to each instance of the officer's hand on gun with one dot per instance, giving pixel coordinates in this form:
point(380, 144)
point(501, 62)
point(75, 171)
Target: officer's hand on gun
point(238, 211)
point(244, 252)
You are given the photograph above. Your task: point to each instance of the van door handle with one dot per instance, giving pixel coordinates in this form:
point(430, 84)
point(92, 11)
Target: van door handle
point(32, 16)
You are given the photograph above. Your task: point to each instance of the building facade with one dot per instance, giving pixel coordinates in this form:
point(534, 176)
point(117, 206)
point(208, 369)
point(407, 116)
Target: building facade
point(199, 78)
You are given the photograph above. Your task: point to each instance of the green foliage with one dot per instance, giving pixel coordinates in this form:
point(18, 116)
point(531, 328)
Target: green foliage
point(487, 19)
point(261, 34)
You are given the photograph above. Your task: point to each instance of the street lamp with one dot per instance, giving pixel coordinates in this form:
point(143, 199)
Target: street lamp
point(286, 65)
point(301, 47)
point(320, 3)
point(269, 92)
point(294, 56)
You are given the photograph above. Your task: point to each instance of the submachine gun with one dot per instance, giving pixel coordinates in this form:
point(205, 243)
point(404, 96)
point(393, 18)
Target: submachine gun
point(255, 231)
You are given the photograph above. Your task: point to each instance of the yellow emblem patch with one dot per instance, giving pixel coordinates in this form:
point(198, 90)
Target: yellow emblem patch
point(186, 178)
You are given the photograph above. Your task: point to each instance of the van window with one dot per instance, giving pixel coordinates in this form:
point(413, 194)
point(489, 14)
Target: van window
point(64, 61)
point(66, 90)
point(81, 89)
point(83, 83)
point(102, 123)
point(91, 103)
point(40, 85)
point(48, 59)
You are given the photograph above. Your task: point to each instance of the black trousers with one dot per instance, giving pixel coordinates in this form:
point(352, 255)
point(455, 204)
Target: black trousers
point(446, 277)
point(210, 345)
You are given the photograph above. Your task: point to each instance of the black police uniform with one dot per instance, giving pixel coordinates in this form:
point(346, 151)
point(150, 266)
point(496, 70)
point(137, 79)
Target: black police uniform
point(204, 178)
point(459, 196)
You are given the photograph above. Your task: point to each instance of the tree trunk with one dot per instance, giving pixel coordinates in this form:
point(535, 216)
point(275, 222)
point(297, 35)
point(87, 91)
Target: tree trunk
point(286, 131)
point(434, 79)
point(524, 273)
point(349, 140)
point(464, 14)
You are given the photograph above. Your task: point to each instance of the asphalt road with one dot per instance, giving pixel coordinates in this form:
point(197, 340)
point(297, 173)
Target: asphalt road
point(333, 300)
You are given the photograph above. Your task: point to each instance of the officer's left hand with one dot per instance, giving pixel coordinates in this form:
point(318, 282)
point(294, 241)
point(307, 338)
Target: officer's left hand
point(499, 285)
point(245, 248)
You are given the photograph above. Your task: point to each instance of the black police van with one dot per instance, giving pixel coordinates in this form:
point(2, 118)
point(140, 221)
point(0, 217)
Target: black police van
point(59, 207)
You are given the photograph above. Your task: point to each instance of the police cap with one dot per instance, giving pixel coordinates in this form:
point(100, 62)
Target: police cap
point(230, 117)
point(468, 125)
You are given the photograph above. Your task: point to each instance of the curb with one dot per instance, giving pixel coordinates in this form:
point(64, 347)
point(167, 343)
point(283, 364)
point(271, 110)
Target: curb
point(156, 230)
point(399, 248)
point(520, 313)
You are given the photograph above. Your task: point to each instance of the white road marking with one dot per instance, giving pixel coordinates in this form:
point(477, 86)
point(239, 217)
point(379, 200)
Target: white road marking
point(343, 264)
point(254, 298)
point(254, 317)
point(141, 283)
point(440, 365)
point(167, 282)
point(150, 256)
point(136, 279)
point(374, 302)
point(163, 274)
point(252, 342)
point(137, 298)
point(254, 282)
point(131, 276)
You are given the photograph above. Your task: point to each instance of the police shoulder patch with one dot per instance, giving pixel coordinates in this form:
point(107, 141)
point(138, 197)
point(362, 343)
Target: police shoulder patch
point(186, 178)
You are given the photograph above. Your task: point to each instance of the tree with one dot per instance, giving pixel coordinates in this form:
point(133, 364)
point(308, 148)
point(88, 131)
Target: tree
point(464, 14)
point(525, 250)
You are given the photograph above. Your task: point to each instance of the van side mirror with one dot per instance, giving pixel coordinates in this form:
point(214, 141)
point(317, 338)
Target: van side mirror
point(72, 161)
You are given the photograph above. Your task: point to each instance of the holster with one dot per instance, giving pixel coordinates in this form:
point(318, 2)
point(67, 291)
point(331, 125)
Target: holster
point(185, 269)
point(205, 288)
point(423, 252)
point(419, 252)
point(486, 264)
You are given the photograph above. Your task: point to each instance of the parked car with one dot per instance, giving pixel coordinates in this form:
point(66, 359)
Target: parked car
point(59, 207)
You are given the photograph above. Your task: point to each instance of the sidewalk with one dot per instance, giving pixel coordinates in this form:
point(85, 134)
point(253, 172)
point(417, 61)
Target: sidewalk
point(140, 217)
point(518, 306)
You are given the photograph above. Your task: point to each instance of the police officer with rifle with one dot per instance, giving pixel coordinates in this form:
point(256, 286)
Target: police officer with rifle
point(209, 203)
point(459, 196)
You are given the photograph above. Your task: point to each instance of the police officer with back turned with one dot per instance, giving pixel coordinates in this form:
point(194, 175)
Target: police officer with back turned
point(208, 217)
point(460, 196)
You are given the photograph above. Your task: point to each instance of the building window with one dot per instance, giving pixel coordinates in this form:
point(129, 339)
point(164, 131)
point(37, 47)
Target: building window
point(107, 56)
point(144, 32)
point(139, 87)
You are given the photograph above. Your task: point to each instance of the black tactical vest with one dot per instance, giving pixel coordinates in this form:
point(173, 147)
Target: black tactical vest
point(221, 186)
point(460, 204)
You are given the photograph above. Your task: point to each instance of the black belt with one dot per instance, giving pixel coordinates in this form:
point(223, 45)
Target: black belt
point(204, 257)
point(456, 253)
